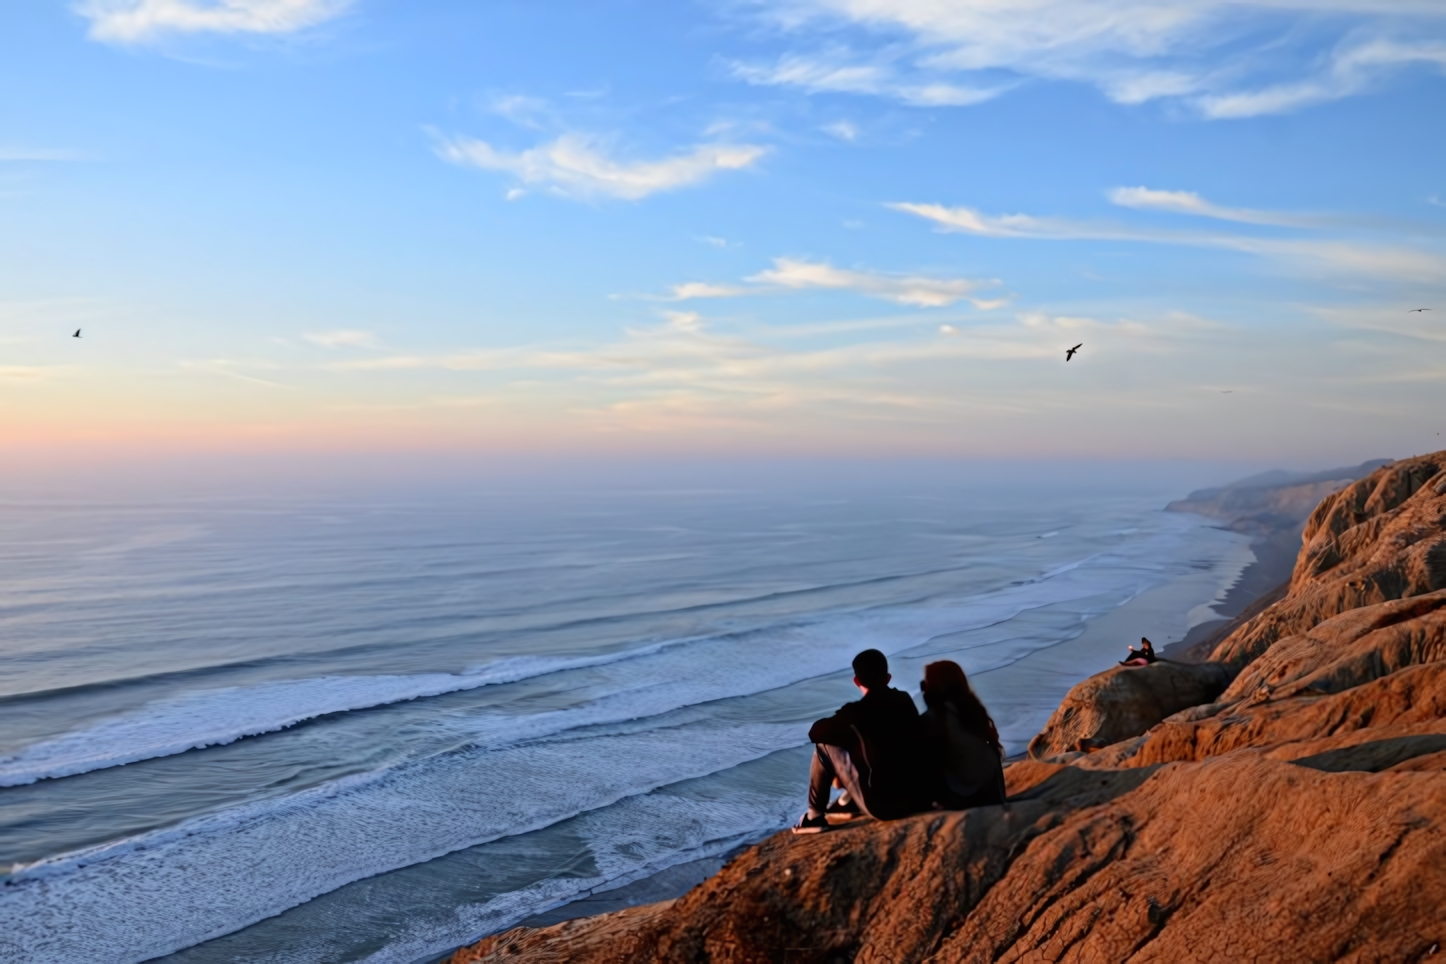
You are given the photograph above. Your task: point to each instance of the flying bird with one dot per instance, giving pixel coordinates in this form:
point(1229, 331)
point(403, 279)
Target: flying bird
point(1227, 391)
point(77, 333)
point(1069, 353)
point(1414, 310)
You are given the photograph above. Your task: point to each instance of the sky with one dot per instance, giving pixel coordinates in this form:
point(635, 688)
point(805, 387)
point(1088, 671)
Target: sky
point(635, 228)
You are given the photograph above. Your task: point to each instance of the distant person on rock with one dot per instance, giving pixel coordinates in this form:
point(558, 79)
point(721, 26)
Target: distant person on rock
point(1144, 656)
point(873, 748)
point(968, 757)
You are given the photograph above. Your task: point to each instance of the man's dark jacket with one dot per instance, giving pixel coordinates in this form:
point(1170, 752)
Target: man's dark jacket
point(884, 738)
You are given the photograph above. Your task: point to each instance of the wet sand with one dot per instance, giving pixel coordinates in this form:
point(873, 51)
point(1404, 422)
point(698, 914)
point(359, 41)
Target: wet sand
point(1260, 583)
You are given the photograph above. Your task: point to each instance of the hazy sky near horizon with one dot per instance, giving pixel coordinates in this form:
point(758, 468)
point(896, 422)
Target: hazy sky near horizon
point(817, 227)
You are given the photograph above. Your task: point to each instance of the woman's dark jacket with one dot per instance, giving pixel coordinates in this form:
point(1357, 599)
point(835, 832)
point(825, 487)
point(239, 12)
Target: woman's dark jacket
point(969, 772)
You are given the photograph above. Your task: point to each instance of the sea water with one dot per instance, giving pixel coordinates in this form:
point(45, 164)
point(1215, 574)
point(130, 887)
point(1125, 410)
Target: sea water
point(372, 728)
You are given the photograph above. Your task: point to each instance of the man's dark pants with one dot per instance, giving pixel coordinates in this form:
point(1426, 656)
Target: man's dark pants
point(833, 763)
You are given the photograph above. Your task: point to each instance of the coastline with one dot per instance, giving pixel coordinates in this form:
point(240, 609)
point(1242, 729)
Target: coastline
point(1170, 613)
point(1259, 584)
point(1158, 834)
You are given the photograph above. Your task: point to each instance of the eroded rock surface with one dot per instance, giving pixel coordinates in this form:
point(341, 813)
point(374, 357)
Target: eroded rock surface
point(1381, 538)
point(1125, 701)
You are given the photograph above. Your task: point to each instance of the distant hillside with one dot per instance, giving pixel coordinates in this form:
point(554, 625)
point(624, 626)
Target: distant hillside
point(1274, 500)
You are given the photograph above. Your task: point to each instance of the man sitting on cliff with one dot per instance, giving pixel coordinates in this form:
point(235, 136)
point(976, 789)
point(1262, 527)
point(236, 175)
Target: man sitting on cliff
point(872, 748)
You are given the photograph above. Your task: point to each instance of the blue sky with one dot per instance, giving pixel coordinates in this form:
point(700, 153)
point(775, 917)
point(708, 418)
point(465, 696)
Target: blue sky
point(819, 227)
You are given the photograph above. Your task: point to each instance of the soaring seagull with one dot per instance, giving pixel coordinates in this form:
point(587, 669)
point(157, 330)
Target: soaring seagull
point(77, 333)
point(1414, 310)
point(1069, 353)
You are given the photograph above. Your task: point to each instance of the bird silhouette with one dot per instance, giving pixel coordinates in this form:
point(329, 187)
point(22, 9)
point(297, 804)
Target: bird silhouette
point(1414, 310)
point(77, 333)
point(1069, 353)
point(1227, 392)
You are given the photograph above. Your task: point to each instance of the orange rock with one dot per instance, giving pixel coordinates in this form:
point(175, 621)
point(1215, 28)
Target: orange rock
point(1379, 539)
point(1125, 701)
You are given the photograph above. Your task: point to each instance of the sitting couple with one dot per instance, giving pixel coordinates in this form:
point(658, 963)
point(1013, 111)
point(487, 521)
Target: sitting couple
point(891, 762)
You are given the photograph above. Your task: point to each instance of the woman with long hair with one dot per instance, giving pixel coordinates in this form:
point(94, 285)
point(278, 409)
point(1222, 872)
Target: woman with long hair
point(967, 752)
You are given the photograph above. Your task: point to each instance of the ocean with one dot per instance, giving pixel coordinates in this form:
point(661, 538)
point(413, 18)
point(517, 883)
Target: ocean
point(373, 726)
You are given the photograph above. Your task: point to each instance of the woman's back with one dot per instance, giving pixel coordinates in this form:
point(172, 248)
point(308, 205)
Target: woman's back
point(966, 745)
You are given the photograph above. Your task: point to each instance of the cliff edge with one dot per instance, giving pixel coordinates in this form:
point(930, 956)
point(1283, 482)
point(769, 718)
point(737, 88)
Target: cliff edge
point(1295, 817)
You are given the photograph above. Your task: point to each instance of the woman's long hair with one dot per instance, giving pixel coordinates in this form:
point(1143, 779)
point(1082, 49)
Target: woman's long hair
point(945, 682)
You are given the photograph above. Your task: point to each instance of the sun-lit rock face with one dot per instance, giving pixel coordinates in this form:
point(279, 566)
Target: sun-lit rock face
point(1293, 815)
point(1125, 701)
point(1379, 539)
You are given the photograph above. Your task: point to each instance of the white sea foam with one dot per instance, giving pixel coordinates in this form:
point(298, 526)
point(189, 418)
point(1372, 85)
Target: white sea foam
point(134, 899)
point(219, 716)
point(210, 875)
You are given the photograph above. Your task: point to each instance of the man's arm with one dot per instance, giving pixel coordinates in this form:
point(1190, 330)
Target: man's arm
point(836, 730)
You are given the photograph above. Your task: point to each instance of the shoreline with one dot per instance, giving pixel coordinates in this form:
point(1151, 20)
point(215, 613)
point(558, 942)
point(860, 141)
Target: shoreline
point(1259, 584)
point(1164, 612)
point(1362, 734)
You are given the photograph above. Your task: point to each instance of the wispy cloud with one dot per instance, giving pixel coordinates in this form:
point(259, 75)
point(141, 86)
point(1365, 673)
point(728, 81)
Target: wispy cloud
point(918, 291)
point(797, 274)
point(343, 338)
point(578, 166)
point(970, 221)
point(1351, 70)
point(138, 21)
point(833, 75)
point(523, 110)
point(682, 373)
point(1221, 58)
point(689, 290)
point(1314, 255)
point(1188, 202)
point(38, 154)
point(32, 373)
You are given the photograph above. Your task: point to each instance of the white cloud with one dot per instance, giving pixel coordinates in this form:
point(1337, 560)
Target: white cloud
point(343, 338)
point(794, 274)
point(684, 320)
point(1351, 70)
point(702, 289)
point(915, 290)
point(843, 130)
point(1207, 54)
point(829, 75)
point(1364, 259)
point(1188, 202)
point(524, 111)
point(137, 21)
point(37, 154)
point(577, 166)
point(970, 221)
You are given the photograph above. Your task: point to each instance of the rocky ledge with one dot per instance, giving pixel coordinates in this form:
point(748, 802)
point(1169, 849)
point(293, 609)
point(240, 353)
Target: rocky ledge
point(1288, 808)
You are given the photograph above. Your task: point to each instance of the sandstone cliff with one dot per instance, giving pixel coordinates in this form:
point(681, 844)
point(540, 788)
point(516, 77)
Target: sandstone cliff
point(1295, 817)
point(1271, 500)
